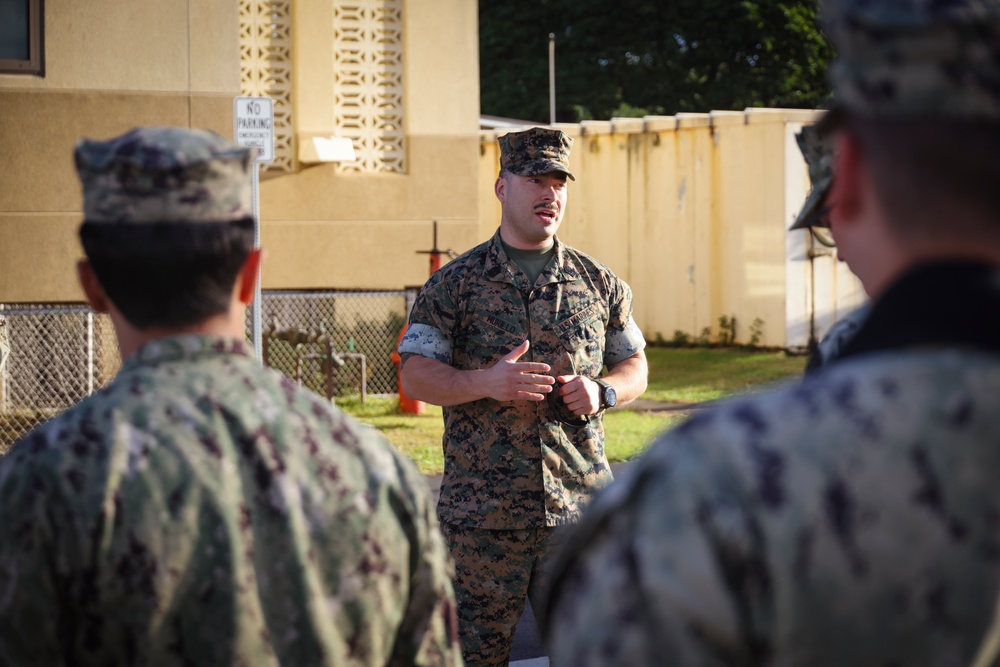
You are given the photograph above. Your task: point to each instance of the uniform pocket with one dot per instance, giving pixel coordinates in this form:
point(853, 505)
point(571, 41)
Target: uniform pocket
point(577, 329)
point(486, 340)
point(586, 334)
point(584, 345)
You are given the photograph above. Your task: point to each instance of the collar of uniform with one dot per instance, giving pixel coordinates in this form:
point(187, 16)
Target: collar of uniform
point(185, 347)
point(947, 304)
point(498, 267)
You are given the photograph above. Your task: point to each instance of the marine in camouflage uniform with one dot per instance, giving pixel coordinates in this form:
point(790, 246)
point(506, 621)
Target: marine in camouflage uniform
point(201, 509)
point(518, 465)
point(817, 150)
point(850, 518)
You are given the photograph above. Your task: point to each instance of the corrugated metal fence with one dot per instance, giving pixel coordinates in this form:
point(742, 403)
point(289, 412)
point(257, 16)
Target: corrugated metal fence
point(693, 212)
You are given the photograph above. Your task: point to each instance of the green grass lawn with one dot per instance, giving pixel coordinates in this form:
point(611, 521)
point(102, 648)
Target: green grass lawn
point(675, 376)
point(684, 375)
point(693, 375)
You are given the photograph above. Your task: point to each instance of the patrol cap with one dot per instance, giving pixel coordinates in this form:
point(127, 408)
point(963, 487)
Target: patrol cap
point(536, 151)
point(817, 150)
point(164, 174)
point(914, 58)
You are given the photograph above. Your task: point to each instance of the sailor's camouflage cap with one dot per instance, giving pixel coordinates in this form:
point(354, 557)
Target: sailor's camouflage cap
point(164, 174)
point(915, 58)
point(536, 151)
point(817, 149)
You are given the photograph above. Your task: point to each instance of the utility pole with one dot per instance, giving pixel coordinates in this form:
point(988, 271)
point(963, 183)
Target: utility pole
point(552, 78)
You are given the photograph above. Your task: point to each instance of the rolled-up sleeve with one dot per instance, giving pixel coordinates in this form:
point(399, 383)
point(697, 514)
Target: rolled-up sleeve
point(427, 341)
point(620, 345)
point(432, 321)
point(623, 337)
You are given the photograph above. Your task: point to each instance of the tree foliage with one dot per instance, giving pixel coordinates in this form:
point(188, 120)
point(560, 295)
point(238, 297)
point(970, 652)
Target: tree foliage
point(639, 57)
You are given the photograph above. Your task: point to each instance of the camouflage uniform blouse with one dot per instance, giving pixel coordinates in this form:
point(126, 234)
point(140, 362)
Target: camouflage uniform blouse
point(202, 510)
point(513, 464)
point(849, 519)
point(828, 350)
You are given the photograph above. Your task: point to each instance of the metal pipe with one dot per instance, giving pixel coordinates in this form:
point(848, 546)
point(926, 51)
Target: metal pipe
point(90, 353)
point(552, 78)
point(328, 369)
point(364, 372)
point(257, 298)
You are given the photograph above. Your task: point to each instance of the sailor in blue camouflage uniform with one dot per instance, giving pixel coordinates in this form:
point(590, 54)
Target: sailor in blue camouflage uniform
point(828, 349)
point(817, 150)
point(511, 338)
point(201, 509)
point(852, 517)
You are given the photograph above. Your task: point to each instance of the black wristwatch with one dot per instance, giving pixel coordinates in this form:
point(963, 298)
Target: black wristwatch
point(609, 398)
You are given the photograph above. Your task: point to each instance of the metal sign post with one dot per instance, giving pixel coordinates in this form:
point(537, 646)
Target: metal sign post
point(253, 124)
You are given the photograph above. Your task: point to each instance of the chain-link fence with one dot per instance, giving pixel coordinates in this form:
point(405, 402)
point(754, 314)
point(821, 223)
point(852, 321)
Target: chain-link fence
point(338, 344)
point(59, 354)
point(335, 343)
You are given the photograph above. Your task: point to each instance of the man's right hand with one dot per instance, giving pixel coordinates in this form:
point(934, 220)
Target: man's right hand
point(438, 383)
point(513, 380)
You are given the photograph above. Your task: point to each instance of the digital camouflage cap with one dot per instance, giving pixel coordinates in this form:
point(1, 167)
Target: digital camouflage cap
point(164, 174)
point(915, 58)
point(536, 151)
point(817, 150)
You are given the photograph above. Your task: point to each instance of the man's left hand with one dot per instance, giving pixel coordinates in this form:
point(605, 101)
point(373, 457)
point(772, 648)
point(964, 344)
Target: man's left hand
point(581, 395)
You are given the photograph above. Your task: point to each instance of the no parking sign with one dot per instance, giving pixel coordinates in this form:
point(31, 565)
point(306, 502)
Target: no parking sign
point(253, 123)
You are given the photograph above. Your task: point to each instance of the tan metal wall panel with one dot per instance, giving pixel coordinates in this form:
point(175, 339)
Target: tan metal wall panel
point(664, 292)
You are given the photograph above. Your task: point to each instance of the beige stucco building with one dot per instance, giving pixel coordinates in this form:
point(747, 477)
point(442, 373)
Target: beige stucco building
point(398, 77)
point(692, 210)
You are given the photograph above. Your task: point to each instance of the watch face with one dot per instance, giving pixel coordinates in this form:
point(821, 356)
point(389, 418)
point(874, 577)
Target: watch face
point(610, 396)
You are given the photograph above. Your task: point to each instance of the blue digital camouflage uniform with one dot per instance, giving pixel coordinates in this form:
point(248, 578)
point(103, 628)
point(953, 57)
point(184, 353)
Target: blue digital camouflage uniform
point(202, 510)
point(843, 330)
point(850, 518)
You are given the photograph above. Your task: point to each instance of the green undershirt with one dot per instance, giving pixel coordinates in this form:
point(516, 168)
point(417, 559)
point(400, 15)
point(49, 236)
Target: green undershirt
point(531, 262)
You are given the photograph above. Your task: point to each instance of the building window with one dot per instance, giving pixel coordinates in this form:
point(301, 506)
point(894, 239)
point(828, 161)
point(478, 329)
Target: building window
point(21, 29)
